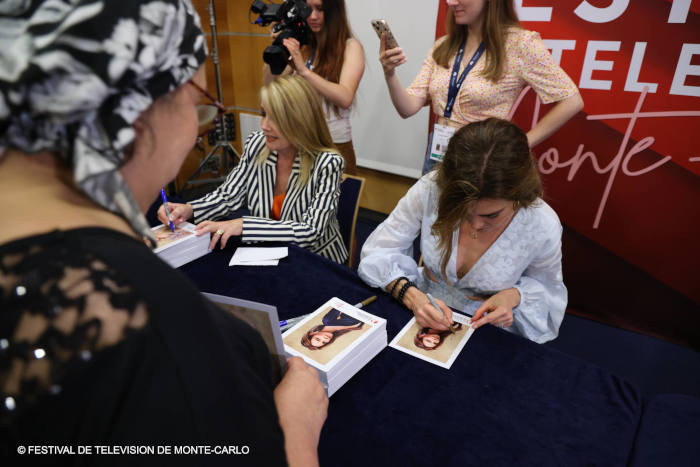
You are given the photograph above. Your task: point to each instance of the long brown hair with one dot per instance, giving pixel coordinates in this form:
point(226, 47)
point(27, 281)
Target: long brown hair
point(330, 46)
point(500, 15)
point(418, 338)
point(485, 159)
point(306, 338)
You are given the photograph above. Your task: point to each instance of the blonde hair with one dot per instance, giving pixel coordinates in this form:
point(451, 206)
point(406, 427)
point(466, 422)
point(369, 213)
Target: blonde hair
point(500, 15)
point(295, 107)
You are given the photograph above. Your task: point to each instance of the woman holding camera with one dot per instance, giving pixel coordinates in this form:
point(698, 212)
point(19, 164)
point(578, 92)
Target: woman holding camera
point(333, 63)
point(488, 86)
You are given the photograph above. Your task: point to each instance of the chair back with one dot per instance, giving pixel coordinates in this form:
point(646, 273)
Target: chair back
point(349, 203)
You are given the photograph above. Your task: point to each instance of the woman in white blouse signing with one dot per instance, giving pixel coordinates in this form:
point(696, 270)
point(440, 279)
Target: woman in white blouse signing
point(485, 232)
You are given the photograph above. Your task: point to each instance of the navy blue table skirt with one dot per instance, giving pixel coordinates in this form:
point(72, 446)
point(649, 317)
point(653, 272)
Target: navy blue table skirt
point(505, 401)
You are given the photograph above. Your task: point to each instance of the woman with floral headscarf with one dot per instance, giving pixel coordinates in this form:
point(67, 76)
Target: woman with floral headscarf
point(101, 343)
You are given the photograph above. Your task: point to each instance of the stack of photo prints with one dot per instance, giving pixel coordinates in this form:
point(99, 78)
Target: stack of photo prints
point(338, 340)
point(180, 247)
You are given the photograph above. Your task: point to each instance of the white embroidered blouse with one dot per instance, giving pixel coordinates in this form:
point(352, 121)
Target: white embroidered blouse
point(527, 256)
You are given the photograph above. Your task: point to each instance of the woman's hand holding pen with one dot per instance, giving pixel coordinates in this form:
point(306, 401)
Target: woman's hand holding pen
point(497, 309)
point(425, 313)
point(179, 213)
point(391, 58)
point(220, 231)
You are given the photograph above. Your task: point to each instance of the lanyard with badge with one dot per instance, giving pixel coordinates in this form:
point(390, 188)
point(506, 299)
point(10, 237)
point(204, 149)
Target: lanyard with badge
point(443, 133)
point(310, 61)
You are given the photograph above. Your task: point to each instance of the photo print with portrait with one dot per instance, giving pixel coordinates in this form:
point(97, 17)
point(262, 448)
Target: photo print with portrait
point(166, 237)
point(438, 347)
point(330, 333)
point(326, 336)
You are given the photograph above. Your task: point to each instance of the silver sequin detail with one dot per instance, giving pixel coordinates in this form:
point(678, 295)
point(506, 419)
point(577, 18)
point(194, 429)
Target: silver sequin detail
point(39, 353)
point(20, 290)
point(55, 389)
point(86, 355)
point(4, 344)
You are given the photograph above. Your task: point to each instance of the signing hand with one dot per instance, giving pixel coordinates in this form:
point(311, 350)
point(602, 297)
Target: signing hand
point(179, 213)
point(497, 310)
point(220, 231)
point(296, 60)
point(391, 58)
point(426, 315)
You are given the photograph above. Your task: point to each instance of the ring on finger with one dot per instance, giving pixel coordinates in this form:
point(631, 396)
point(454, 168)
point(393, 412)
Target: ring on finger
point(220, 232)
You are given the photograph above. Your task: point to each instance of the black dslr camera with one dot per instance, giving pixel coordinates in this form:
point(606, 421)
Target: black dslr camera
point(291, 20)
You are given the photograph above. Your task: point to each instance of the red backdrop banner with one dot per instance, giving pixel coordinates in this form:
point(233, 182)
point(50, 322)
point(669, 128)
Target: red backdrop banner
point(624, 172)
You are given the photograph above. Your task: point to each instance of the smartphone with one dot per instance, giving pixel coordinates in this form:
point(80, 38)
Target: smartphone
point(382, 27)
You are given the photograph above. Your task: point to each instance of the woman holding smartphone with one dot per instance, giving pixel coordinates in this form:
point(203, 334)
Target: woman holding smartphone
point(333, 63)
point(495, 59)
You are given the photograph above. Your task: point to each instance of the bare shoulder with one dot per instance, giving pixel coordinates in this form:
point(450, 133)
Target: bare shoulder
point(354, 49)
point(353, 43)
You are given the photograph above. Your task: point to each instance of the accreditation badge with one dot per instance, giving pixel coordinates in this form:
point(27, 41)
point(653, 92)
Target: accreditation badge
point(441, 137)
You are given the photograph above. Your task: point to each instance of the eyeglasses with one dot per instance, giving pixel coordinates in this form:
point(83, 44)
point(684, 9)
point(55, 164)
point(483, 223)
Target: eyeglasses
point(207, 113)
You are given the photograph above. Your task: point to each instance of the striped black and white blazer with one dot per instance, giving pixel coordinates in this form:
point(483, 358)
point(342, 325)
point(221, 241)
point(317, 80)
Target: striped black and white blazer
point(309, 212)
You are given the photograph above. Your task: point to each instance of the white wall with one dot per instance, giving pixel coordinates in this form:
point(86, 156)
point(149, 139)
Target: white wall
point(382, 139)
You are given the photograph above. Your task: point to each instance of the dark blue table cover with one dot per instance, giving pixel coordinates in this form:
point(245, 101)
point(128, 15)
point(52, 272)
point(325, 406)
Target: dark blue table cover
point(669, 433)
point(505, 401)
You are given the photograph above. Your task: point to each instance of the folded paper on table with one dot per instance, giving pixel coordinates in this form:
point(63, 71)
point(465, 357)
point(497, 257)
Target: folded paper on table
point(264, 262)
point(255, 256)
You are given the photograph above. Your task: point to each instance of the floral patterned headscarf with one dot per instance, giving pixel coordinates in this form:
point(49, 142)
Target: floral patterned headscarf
point(76, 74)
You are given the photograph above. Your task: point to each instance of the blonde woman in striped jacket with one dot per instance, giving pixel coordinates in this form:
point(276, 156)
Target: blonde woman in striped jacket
point(288, 178)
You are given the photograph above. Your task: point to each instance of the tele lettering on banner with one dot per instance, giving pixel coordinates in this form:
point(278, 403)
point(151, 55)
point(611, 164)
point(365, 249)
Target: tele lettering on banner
point(624, 172)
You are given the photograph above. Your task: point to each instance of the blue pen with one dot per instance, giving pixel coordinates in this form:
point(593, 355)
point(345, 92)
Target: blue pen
point(167, 210)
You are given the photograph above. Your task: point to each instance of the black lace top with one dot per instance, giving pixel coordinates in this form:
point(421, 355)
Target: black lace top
point(101, 343)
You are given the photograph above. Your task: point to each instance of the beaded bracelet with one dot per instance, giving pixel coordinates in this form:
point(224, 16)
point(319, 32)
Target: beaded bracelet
point(407, 285)
point(395, 284)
